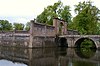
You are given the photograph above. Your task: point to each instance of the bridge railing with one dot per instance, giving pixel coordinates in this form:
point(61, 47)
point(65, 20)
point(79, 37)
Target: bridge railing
point(80, 36)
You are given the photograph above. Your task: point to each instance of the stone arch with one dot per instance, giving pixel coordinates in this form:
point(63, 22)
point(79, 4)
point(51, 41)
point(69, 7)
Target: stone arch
point(60, 25)
point(78, 42)
point(63, 42)
point(61, 28)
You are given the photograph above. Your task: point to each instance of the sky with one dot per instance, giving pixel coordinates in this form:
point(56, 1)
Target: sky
point(22, 11)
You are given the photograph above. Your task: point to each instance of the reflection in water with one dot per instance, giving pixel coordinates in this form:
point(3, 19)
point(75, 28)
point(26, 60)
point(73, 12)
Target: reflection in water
point(83, 63)
point(48, 57)
point(9, 63)
point(61, 51)
point(85, 52)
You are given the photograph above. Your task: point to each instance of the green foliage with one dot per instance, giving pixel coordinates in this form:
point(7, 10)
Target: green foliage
point(18, 26)
point(87, 44)
point(5, 25)
point(98, 28)
point(81, 6)
point(52, 11)
point(87, 19)
point(65, 14)
point(27, 26)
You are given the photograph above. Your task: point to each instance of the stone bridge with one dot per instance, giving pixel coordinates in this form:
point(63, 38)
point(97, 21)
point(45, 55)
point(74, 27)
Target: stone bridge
point(75, 40)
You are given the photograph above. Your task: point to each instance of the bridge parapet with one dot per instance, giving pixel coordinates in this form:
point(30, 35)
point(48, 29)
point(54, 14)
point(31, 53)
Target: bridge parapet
point(39, 29)
point(84, 36)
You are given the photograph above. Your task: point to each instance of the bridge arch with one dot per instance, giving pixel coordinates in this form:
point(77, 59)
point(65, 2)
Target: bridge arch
point(63, 42)
point(80, 40)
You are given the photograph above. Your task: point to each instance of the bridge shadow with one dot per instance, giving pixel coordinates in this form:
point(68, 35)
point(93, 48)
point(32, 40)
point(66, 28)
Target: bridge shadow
point(63, 42)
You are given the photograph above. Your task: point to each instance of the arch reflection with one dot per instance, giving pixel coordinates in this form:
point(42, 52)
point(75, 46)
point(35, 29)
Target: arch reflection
point(85, 52)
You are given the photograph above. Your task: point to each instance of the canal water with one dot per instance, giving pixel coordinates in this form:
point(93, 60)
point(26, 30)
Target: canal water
point(10, 56)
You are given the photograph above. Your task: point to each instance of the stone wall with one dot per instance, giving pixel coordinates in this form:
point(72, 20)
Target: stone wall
point(72, 32)
point(43, 35)
point(44, 42)
point(43, 30)
point(14, 38)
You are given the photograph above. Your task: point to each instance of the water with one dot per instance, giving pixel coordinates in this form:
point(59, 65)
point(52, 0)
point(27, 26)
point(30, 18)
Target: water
point(10, 56)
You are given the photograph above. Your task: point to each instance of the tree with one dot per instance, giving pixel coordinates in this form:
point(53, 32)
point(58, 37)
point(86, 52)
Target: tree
point(54, 11)
point(65, 14)
point(98, 28)
point(87, 18)
point(27, 26)
point(81, 6)
point(5, 25)
point(18, 26)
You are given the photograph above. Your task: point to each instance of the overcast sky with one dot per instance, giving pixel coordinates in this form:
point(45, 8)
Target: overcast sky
point(26, 10)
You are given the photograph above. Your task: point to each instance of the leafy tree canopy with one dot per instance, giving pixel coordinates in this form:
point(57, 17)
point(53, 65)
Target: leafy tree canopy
point(52, 11)
point(5, 25)
point(87, 18)
point(18, 26)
